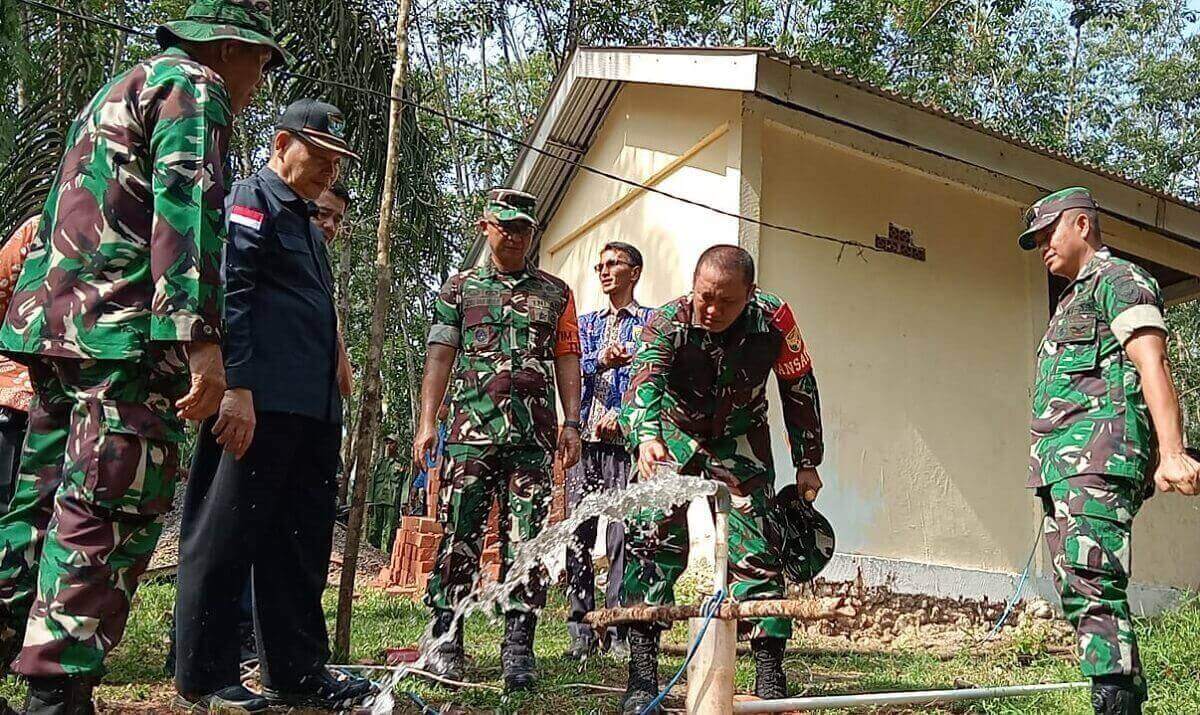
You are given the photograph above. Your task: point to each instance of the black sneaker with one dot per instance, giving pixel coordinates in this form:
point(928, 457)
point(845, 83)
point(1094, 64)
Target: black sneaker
point(324, 690)
point(234, 699)
point(581, 648)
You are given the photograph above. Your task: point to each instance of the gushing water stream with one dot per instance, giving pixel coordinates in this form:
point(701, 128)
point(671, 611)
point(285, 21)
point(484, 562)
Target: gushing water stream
point(665, 490)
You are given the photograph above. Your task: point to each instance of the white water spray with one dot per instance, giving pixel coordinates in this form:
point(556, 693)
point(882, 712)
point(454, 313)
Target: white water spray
point(665, 490)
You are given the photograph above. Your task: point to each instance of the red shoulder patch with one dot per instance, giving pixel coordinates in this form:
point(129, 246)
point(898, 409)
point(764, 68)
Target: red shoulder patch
point(793, 361)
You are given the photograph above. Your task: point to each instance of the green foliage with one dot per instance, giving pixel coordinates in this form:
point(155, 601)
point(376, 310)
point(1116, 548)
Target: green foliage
point(1110, 81)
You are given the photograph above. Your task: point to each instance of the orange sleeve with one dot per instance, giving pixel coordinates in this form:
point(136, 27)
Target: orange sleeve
point(568, 330)
point(12, 257)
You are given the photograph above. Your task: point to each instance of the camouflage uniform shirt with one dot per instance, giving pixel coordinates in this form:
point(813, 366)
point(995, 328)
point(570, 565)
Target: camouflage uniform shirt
point(1089, 415)
point(692, 387)
point(129, 248)
point(508, 328)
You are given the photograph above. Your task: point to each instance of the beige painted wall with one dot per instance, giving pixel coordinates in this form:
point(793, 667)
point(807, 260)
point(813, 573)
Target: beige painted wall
point(648, 126)
point(925, 368)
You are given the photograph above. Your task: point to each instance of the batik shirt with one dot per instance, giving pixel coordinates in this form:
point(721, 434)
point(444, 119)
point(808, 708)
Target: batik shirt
point(603, 387)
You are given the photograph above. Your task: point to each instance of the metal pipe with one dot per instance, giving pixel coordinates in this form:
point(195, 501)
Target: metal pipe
point(915, 697)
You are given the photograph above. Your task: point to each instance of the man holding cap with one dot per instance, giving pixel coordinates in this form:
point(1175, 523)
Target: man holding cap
point(1106, 429)
point(261, 500)
point(509, 334)
point(117, 314)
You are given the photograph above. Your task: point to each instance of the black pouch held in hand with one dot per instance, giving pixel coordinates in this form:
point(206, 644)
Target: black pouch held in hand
point(800, 534)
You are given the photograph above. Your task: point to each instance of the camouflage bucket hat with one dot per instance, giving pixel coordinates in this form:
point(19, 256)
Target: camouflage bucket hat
point(211, 20)
point(1047, 210)
point(511, 205)
point(799, 533)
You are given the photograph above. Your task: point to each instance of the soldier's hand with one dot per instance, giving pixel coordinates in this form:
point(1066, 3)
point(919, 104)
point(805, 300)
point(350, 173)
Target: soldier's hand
point(1177, 472)
point(208, 382)
point(234, 428)
point(423, 445)
point(808, 483)
point(650, 453)
point(568, 446)
point(608, 428)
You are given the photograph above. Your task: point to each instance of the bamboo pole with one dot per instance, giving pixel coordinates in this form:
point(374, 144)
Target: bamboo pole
point(654, 180)
point(369, 413)
point(824, 609)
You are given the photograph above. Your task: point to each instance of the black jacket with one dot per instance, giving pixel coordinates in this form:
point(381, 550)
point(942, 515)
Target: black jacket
point(280, 321)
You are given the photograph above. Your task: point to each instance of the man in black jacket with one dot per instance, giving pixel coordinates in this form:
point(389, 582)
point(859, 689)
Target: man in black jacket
point(261, 499)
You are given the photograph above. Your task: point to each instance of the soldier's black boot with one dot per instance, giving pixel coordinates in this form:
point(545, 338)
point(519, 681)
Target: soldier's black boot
point(1116, 695)
point(643, 669)
point(447, 658)
point(60, 695)
point(770, 682)
point(516, 651)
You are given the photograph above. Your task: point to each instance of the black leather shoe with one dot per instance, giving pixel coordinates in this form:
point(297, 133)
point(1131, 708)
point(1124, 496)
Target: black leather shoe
point(516, 651)
point(324, 690)
point(581, 648)
point(234, 699)
point(1116, 695)
point(643, 670)
point(770, 682)
point(60, 695)
point(447, 659)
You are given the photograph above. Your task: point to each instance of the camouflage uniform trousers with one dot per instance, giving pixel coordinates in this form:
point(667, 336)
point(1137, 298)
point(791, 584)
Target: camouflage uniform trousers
point(519, 478)
point(98, 471)
point(1087, 524)
point(656, 545)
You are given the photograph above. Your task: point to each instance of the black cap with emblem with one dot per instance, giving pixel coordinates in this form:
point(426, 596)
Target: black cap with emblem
point(318, 123)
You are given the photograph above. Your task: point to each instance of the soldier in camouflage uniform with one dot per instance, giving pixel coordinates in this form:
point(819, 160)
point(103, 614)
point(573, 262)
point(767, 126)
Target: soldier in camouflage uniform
point(1105, 418)
point(119, 301)
point(699, 397)
point(509, 333)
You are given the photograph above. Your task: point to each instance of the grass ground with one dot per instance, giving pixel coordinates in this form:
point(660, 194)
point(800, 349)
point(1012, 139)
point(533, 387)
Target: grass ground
point(1170, 651)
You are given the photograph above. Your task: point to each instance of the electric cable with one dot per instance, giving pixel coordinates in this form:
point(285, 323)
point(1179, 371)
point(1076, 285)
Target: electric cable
point(860, 247)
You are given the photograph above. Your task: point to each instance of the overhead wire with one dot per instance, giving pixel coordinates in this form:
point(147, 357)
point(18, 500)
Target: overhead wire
point(860, 248)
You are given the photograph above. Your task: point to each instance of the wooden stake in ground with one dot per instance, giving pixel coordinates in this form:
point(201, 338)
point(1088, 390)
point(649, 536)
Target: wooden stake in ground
point(368, 420)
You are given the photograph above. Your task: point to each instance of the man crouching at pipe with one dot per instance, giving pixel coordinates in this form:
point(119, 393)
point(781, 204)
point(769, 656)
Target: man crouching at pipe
point(699, 397)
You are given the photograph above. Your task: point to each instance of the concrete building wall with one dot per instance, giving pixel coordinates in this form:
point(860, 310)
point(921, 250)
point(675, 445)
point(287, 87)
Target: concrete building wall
point(648, 126)
point(925, 368)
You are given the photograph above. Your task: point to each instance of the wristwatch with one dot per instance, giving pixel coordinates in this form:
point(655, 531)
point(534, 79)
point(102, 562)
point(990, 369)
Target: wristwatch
point(575, 424)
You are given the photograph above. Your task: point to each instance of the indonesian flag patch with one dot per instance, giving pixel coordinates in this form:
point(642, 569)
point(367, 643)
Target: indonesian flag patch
point(246, 216)
point(793, 361)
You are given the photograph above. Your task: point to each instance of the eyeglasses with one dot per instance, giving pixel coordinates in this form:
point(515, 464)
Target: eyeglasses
point(600, 267)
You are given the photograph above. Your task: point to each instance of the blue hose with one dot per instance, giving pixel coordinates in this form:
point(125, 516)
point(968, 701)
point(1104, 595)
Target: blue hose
point(709, 611)
point(1016, 596)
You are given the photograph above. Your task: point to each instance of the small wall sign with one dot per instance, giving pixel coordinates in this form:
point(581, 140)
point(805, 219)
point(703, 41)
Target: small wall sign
point(900, 241)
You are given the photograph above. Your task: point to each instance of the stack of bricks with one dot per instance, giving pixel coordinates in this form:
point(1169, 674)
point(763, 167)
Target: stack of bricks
point(415, 548)
point(413, 555)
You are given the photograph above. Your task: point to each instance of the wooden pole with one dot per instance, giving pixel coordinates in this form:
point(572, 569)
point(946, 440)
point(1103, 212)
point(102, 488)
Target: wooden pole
point(710, 674)
point(369, 414)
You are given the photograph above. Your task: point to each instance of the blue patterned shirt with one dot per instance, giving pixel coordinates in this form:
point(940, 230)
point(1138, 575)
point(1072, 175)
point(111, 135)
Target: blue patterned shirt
point(603, 388)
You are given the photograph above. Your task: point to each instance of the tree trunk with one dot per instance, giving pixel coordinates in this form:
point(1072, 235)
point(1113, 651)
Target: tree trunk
point(345, 257)
point(369, 411)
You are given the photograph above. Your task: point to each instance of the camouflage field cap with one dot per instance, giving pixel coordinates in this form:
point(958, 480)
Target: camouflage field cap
point(511, 205)
point(210, 20)
point(802, 536)
point(1047, 210)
